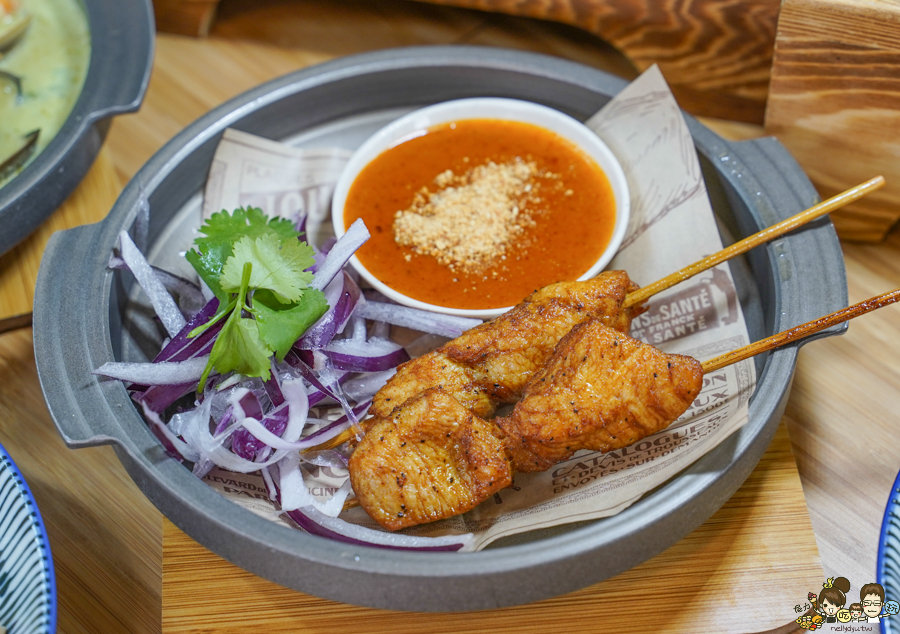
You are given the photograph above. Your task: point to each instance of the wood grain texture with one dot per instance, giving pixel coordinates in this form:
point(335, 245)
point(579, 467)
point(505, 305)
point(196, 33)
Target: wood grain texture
point(834, 101)
point(842, 417)
point(715, 54)
point(90, 202)
point(702, 579)
point(105, 536)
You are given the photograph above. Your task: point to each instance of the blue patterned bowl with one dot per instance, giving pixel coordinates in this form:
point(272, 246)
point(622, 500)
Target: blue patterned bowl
point(888, 573)
point(27, 583)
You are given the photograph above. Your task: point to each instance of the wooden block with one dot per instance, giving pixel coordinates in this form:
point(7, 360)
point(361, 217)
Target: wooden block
point(185, 17)
point(715, 54)
point(834, 101)
point(757, 550)
point(89, 203)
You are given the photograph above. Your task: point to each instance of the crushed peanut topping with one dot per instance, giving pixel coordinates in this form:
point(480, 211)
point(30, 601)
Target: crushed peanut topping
point(472, 218)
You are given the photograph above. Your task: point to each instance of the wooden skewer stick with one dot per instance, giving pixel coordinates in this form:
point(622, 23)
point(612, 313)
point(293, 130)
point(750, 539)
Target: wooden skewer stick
point(770, 233)
point(804, 330)
point(737, 248)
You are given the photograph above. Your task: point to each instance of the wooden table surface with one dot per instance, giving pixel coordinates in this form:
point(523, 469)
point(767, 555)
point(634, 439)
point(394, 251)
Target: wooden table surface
point(761, 550)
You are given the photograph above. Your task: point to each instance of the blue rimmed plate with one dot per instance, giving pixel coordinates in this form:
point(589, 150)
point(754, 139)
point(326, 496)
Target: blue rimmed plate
point(27, 583)
point(888, 573)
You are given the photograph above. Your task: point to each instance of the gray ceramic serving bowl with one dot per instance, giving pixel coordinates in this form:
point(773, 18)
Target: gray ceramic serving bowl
point(83, 318)
point(122, 36)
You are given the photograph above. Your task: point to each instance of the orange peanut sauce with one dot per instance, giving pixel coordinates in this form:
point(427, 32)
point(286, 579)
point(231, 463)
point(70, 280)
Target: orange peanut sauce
point(571, 213)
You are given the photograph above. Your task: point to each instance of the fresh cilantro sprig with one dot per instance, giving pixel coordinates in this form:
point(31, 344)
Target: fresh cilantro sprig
point(256, 267)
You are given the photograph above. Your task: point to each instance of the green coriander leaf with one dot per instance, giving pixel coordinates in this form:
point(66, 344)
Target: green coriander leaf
point(237, 345)
point(221, 231)
point(279, 325)
point(241, 350)
point(246, 221)
point(277, 267)
point(209, 267)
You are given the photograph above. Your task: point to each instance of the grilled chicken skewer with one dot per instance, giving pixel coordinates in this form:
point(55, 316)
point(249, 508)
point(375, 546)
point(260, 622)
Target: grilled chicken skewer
point(600, 390)
point(491, 363)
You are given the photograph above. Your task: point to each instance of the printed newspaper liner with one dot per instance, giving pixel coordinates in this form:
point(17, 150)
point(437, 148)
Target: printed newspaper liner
point(671, 226)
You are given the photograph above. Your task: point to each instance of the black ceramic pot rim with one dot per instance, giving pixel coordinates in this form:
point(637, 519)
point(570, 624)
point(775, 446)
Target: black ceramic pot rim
point(122, 40)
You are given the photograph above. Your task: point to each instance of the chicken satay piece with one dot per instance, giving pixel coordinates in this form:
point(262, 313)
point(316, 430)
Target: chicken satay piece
point(431, 459)
point(435, 370)
point(600, 390)
point(491, 363)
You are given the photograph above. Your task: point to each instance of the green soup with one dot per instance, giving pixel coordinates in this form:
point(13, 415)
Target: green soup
point(52, 61)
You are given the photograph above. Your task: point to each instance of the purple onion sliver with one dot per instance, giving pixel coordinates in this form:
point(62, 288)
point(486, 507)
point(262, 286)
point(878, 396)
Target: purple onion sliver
point(273, 390)
point(341, 295)
point(246, 445)
point(158, 397)
point(335, 428)
point(341, 252)
point(181, 347)
point(224, 422)
point(421, 320)
point(300, 226)
point(314, 522)
point(294, 359)
point(160, 373)
point(162, 302)
point(328, 245)
point(352, 363)
point(188, 291)
point(251, 405)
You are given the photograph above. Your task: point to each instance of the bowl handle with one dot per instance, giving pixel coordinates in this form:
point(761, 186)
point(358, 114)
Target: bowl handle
point(67, 335)
point(123, 40)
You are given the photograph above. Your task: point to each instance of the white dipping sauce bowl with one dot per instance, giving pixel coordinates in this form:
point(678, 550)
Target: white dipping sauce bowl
point(417, 122)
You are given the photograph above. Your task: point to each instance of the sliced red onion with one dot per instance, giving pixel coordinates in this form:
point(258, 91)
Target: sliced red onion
point(265, 436)
point(329, 381)
point(174, 445)
point(270, 483)
point(280, 429)
point(210, 448)
point(181, 347)
point(313, 521)
point(375, 355)
point(273, 388)
point(162, 302)
point(160, 397)
point(359, 329)
point(300, 226)
point(421, 320)
point(365, 387)
point(295, 493)
point(302, 360)
point(190, 297)
point(162, 373)
point(340, 253)
point(224, 422)
point(342, 295)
